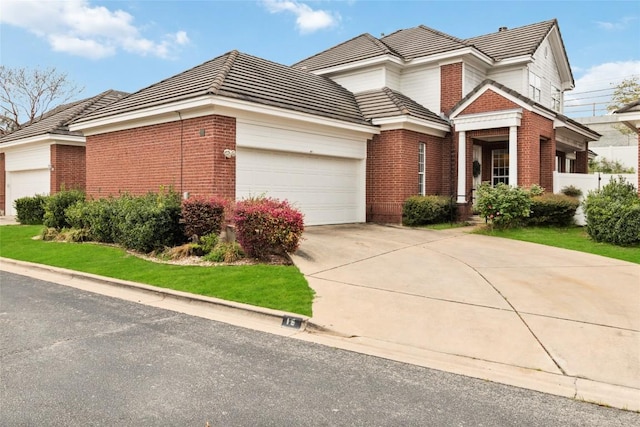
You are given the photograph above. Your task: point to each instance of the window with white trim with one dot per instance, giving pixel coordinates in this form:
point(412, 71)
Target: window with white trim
point(422, 153)
point(500, 166)
point(535, 86)
point(556, 98)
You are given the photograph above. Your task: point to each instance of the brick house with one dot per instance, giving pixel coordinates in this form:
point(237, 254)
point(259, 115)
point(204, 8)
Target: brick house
point(348, 134)
point(45, 156)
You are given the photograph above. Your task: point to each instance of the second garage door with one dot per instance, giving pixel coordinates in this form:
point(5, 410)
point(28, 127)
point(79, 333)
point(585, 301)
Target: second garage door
point(328, 190)
point(25, 183)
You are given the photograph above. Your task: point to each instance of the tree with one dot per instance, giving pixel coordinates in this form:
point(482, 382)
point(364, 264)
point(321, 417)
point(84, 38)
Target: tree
point(26, 94)
point(625, 93)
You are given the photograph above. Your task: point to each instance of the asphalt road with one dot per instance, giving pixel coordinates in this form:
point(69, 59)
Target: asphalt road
point(72, 358)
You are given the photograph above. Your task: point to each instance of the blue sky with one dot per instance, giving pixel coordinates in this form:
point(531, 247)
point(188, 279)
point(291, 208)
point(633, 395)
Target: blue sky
point(128, 45)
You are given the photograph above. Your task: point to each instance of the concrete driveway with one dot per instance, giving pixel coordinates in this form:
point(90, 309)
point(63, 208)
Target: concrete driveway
point(520, 313)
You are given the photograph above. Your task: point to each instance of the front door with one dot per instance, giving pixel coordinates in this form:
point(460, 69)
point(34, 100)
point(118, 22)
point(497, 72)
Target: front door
point(477, 170)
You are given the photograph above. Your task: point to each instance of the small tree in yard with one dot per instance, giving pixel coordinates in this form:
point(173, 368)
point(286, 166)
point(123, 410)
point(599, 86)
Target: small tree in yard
point(266, 226)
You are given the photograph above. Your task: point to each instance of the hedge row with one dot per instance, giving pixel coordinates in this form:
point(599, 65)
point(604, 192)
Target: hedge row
point(422, 210)
point(152, 222)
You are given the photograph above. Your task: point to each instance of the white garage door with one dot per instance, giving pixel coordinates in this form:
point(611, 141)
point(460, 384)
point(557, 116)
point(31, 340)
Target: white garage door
point(328, 190)
point(25, 183)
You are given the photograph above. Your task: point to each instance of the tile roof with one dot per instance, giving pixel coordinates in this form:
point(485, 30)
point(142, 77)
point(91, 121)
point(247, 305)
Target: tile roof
point(513, 42)
point(422, 41)
point(629, 107)
point(359, 48)
point(249, 78)
point(386, 102)
point(57, 120)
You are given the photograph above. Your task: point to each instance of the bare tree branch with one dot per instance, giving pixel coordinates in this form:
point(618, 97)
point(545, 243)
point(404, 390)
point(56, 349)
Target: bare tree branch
point(26, 94)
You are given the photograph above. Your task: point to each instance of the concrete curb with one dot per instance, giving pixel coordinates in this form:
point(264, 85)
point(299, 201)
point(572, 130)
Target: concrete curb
point(229, 307)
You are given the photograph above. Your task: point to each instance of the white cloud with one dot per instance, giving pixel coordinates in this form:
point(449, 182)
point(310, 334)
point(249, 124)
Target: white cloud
point(594, 88)
point(307, 19)
point(78, 28)
point(621, 24)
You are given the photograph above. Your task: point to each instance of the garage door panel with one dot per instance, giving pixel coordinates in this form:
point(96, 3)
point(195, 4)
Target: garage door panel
point(25, 183)
point(328, 190)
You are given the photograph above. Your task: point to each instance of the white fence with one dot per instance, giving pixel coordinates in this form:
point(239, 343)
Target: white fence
point(586, 183)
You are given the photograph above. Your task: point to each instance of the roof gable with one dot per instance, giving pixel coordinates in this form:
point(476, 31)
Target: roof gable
point(248, 78)
point(57, 120)
point(509, 43)
point(359, 48)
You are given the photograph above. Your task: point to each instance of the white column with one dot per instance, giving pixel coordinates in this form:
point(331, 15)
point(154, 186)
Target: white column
point(462, 167)
point(513, 156)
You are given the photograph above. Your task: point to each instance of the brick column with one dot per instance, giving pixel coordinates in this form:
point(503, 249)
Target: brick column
point(582, 161)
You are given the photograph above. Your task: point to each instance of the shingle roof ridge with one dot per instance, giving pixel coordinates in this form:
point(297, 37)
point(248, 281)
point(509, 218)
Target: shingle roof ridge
point(549, 22)
point(383, 45)
point(367, 35)
point(398, 102)
point(89, 103)
point(218, 80)
point(443, 34)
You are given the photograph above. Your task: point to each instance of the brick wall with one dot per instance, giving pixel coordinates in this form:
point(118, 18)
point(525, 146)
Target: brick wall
point(536, 151)
point(68, 168)
point(183, 155)
point(392, 172)
point(489, 101)
point(3, 186)
point(450, 86)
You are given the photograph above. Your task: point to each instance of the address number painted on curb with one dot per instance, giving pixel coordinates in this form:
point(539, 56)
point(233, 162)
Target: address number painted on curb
point(291, 322)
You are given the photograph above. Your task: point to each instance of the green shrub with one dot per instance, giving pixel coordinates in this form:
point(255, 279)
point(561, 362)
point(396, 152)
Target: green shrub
point(225, 252)
point(421, 210)
point(266, 226)
point(208, 242)
point(553, 209)
point(97, 217)
point(30, 210)
point(56, 205)
point(613, 213)
point(202, 216)
point(147, 223)
point(503, 206)
point(571, 191)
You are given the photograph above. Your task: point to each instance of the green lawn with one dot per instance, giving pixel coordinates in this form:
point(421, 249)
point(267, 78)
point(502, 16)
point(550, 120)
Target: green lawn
point(273, 286)
point(574, 238)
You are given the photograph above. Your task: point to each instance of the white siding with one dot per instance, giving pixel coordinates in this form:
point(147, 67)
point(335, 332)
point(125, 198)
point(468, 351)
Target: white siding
point(27, 157)
point(423, 86)
point(513, 78)
point(544, 65)
point(269, 136)
point(361, 81)
point(472, 78)
point(393, 79)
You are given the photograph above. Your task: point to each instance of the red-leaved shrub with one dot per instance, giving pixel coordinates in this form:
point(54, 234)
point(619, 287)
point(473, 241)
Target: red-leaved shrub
point(202, 216)
point(266, 226)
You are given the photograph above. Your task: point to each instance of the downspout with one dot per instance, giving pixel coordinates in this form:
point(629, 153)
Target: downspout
point(184, 195)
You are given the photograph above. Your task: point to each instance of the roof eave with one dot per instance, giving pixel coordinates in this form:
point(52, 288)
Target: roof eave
point(47, 138)
point(202, 106)
point(377, 60)
point(412, 123)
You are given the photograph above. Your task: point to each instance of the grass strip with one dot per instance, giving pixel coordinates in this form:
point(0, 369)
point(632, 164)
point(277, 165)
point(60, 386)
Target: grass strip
point(574, 238)
point(272, 286)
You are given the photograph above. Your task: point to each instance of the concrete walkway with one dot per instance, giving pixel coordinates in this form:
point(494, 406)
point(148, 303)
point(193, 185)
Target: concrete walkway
point(539, 317)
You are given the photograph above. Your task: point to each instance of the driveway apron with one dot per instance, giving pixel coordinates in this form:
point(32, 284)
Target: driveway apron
point(485, 298)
